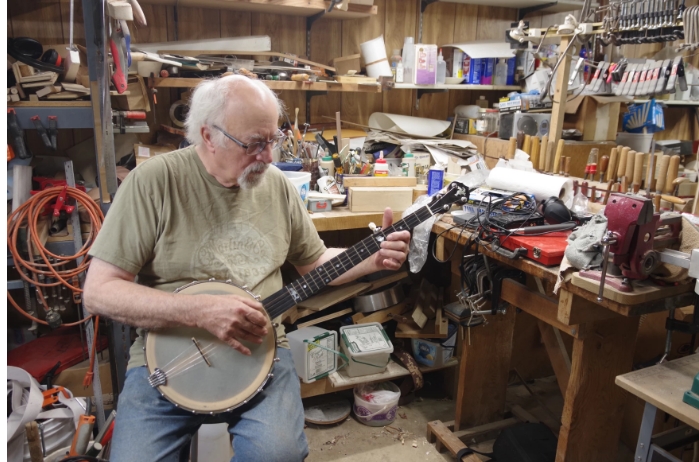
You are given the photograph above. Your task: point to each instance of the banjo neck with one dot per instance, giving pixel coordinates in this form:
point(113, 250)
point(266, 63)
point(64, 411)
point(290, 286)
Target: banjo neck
point(314, 281)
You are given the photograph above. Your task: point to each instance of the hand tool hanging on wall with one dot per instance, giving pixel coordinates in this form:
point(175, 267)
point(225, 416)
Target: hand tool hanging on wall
point(15, 135)
point(118, 76)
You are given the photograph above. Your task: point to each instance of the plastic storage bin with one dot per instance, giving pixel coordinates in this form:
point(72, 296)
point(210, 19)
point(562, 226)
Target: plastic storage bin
point(435, 352)
point(313, 363)
point(302, 182)
point(367, 347)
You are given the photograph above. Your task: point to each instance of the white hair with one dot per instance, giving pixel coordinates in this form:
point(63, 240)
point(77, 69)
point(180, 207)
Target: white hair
point(210, 99)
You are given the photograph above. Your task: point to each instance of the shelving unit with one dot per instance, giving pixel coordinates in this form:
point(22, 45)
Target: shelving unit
point(306, 8)
point(412, 86)
point(71, 114)
point(671, 102)
point(176, 82)
point(339, 381)
point(546, 6)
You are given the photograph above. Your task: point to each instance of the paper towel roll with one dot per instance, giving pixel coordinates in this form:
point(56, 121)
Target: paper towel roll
point(542, 186)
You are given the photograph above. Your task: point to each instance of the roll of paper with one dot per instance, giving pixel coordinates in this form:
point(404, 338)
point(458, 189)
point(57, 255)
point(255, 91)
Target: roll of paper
point(541, 186)
point(373, 50)
point(379, 68)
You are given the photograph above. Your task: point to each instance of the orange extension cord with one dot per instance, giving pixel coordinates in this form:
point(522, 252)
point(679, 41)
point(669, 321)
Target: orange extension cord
point(27, 216)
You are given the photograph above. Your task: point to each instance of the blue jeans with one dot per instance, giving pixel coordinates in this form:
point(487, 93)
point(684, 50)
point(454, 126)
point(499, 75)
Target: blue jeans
point(269, 428)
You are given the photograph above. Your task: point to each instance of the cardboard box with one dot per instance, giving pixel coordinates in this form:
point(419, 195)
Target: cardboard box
point(597, 117)
point(425, 64)
point(376, 199)
point(350, 181)
point(144, 152)
point(72, 379)
point(347, 63)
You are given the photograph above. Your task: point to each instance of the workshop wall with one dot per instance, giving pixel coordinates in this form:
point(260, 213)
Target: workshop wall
point(48, 21)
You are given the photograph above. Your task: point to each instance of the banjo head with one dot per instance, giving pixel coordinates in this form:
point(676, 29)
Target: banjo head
point(230, 379)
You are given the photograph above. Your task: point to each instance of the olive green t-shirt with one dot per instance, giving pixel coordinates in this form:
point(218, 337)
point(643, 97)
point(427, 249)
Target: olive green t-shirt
point(172, 223)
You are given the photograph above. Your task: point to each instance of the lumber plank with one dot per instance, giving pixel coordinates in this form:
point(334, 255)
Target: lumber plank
point(442, 437)
point(327, 317)
point(557, 354)
point(540, 306)
point(594, 405)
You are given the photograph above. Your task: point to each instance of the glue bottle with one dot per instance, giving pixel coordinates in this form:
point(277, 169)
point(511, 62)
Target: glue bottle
point(408, 165)
point(380, 166)
point(327, 164)
point(441, 68)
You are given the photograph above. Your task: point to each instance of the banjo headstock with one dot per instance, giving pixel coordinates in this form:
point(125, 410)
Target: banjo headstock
point(455, 193)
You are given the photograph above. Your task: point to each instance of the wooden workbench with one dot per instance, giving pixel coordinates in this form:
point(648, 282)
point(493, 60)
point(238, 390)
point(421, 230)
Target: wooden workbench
point(604, 337)
point(662, 387)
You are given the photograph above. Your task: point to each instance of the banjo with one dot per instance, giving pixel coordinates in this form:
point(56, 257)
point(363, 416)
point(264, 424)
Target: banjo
point(197, 372)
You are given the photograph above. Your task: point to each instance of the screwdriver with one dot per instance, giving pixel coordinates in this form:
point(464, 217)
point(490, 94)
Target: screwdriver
point(603, 164)
point(591, 167)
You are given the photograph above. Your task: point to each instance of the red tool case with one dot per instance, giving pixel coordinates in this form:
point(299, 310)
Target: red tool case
point(63, 344)
point(547, 249)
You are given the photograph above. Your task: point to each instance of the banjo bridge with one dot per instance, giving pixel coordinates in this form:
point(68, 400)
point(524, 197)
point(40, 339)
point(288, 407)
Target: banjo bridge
point(157, 378)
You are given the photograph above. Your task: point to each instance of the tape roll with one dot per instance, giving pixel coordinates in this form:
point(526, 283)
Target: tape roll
point(178, 112)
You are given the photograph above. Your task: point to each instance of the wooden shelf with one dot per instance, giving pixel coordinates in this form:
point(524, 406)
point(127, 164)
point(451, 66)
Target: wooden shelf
point(50, 104)
point(673, 102)
point(287, 7)
point(412, 86)
point(177, 82)
point(341, 382)
point(554, 6)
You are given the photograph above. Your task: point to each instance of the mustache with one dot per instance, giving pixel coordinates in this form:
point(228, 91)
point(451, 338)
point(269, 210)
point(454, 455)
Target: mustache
point(257, 167)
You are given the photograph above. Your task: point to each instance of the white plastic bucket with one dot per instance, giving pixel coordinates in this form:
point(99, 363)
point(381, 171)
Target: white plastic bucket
point(302, 182)
point(373, 414)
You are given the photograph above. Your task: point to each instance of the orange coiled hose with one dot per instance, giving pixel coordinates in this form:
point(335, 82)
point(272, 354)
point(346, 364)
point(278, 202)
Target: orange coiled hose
point(27, 216)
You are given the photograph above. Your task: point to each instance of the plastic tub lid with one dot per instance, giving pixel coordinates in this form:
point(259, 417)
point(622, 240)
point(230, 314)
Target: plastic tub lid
point(366, 339)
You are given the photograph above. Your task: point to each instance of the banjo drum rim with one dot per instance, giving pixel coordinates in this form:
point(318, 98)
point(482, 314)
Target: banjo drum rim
point(165, 392)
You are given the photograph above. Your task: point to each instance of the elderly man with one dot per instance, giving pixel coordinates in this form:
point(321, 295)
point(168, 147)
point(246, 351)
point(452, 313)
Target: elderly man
point(213, 210)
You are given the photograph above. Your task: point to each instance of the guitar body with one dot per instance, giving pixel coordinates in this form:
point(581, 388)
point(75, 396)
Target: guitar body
point(231, 379)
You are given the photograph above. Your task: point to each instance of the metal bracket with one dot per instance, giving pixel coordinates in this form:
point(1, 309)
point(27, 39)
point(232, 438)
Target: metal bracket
point(425, 91)
point(309, 95)
point(309, 23)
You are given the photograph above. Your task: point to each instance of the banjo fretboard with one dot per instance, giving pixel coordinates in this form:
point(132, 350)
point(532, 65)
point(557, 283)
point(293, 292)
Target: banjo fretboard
point(314, 281)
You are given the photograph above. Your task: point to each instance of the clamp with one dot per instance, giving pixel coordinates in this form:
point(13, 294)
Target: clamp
point(47, 136)
point(51, 395)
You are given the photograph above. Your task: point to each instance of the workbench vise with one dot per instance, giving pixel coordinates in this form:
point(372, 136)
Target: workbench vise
point(634, 235)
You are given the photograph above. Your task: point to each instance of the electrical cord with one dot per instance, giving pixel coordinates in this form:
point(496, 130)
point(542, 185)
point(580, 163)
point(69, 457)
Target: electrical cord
point(46, 263)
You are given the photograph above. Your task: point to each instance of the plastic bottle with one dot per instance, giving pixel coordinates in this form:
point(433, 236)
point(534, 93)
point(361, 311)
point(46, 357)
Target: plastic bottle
point(408, 51)
point(441, 68)
point(408, 165)
point(380, 166)
point(400, 71)
point(501, 73)
point(327, 164)
point(395, 58)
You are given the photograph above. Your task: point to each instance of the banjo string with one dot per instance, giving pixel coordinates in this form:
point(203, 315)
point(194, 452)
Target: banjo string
point(191, 361)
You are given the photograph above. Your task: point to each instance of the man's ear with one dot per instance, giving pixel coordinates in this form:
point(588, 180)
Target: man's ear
point(207, 137)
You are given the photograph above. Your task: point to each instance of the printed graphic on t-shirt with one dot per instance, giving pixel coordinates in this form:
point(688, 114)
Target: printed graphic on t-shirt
point(236, 251)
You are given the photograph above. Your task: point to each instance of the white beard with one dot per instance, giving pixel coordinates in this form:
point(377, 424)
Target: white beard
point(252, 175)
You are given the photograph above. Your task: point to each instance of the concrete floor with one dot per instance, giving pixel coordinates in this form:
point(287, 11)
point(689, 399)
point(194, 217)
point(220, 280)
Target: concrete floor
point(404, 440)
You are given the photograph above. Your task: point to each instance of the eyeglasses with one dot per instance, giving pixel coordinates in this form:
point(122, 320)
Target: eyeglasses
point(253, 149)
